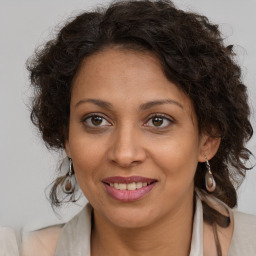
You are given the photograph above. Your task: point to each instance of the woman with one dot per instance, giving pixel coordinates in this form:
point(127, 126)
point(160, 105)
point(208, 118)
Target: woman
point(150, 108)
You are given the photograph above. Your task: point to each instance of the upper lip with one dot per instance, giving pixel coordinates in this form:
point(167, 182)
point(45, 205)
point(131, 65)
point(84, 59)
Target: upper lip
point(127, 180)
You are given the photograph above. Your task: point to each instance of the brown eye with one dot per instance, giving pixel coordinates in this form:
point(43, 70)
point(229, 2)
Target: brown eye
point(96, 120)
point(157, 121)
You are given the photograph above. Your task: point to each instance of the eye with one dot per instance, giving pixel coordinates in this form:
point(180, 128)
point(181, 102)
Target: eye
point(159, 121)
point(96, 120)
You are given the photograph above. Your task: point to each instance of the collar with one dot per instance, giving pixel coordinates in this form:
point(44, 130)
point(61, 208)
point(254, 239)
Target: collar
point(76, 234)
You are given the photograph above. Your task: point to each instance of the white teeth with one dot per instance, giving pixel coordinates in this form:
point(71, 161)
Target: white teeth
point(139, 185)
point(129, 186)
point(122, 186)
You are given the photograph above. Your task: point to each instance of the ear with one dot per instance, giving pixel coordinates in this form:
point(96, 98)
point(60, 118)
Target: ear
point(67, 148)
point(208, 147)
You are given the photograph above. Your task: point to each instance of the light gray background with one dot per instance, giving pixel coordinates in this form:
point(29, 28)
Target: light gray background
point(26, 166)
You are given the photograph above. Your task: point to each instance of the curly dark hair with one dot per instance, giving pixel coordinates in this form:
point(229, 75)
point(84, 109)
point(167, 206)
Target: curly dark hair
point(192, 55)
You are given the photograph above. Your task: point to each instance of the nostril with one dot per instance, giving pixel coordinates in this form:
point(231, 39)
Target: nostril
point(126, 152)
point(124, 163)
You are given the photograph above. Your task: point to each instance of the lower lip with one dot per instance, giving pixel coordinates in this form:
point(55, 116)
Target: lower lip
point(128, 195)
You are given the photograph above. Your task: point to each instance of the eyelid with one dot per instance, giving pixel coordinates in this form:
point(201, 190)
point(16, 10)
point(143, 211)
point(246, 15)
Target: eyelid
point(96, 114)
point(164, 116)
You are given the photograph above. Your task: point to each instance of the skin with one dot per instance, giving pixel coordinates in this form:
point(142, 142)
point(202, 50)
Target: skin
point(127, 142)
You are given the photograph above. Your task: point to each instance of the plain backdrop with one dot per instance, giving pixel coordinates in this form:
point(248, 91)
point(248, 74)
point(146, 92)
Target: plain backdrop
point(26, 166)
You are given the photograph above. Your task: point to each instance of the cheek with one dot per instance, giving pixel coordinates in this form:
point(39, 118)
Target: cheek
point(87, 159)
point(87, 170)
point(178, 160)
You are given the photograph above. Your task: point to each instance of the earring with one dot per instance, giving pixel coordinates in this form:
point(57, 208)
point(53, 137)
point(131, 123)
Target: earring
point(69, 182)
point(210, 183)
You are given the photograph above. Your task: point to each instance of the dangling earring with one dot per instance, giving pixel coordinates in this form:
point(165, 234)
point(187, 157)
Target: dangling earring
point(69, 182)
point(210, 183)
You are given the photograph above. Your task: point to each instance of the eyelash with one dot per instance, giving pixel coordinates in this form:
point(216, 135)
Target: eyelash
point(164, 117)
point(94, 115)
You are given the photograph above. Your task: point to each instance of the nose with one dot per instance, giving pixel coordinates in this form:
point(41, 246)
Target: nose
point(126, 148)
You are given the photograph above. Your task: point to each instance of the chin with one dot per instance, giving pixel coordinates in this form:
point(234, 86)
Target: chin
point(131, 217)
point(130, 222)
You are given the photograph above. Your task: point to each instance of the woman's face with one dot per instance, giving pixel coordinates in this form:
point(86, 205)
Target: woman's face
point(133, 139)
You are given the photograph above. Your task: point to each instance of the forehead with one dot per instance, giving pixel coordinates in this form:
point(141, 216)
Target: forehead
point(125, 77)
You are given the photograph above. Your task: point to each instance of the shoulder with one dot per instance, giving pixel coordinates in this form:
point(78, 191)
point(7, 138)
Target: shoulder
point(244, 224)
point(244, 235)
point(242, 217)
point(42, 242)
point(50, 240)
point(8, 242)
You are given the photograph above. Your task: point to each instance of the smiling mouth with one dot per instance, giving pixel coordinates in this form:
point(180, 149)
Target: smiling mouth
point(130, 186)
point(128, 189)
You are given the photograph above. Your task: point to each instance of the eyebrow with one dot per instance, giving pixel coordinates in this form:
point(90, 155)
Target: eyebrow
point(97, 102)
point(153, 103)
point(145, 106)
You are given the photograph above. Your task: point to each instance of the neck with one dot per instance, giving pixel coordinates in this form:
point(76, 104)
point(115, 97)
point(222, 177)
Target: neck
point(171, 235)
